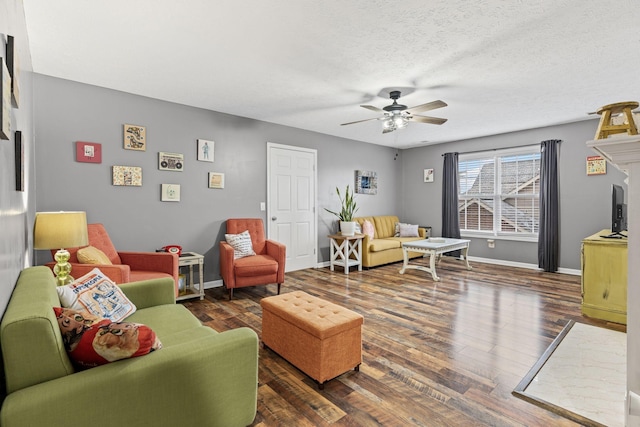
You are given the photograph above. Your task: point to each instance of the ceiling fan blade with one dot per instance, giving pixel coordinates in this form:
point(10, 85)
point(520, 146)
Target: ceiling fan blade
point(425, 119)
point(426, 107)
point(359, 121)
point(372, 108)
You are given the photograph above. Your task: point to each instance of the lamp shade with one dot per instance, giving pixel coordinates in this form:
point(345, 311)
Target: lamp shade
point(57, 230)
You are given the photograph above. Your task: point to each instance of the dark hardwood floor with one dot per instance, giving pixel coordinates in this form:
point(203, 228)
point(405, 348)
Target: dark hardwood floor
point(445, 353)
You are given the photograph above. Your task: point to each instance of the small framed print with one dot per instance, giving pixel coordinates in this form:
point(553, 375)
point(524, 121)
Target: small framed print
point(366, 182)
point(19, 161)
point(216, 180)
point(135, 137)
point(127, 176)
point(88, 152)
point(170, 161)
point(596, 165)
point(170, 192)
point(5, 101)
point(205, 150)
point(428, 175)
point(13, 65)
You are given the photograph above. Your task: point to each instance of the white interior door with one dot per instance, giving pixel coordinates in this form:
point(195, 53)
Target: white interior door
point(291, 212)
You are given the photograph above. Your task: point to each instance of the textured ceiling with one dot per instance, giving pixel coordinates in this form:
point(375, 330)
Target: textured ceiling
point(501, 65)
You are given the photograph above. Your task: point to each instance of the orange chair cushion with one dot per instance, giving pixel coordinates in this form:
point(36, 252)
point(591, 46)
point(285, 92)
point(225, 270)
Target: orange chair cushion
point(257, 265)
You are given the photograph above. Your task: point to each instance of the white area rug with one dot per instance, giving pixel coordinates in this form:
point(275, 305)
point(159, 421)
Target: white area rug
point(581, 376)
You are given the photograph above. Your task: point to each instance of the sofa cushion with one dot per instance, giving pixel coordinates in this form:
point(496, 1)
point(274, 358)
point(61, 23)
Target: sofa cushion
point(241, 244)
point(92, 255)
point(385, 226)
point(167, 319)
point(377, 245)
point(97, 294)
point(258, 265)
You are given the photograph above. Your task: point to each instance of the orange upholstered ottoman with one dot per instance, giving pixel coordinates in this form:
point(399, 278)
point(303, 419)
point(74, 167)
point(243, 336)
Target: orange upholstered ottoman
point(320, 338)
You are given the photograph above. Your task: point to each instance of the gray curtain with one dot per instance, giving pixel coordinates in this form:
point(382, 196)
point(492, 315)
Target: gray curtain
point(549, 231)
point(450, 219)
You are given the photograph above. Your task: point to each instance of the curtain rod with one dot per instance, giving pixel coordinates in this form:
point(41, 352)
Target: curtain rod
point(495, 149)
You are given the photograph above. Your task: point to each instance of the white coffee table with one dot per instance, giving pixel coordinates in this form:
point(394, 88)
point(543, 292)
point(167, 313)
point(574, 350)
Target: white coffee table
point(434, 250)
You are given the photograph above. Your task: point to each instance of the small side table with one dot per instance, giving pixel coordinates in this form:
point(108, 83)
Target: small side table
point(342, 247)
point(189, 259)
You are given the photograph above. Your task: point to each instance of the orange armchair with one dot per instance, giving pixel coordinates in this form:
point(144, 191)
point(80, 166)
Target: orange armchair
point(264, 268)
point(125, 267)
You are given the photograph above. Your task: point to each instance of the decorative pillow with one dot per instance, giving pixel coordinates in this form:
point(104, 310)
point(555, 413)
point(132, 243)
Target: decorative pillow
point(367, 228)
point(101, 342)
point(358, 229)
point(96, 293)
point(92, 255)
point(409, 230)
point(241, 244)
point(397, 230)
point(72, 324)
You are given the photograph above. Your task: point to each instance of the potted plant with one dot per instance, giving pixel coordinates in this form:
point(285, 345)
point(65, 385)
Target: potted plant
point(347, 224)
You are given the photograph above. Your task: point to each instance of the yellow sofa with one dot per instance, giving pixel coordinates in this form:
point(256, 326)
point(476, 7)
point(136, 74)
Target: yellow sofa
point(385, 248)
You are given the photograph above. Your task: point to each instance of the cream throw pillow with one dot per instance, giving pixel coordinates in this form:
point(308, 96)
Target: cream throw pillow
point(92, 255)
point(409, 230)
point(96, 293)
point(241, 244)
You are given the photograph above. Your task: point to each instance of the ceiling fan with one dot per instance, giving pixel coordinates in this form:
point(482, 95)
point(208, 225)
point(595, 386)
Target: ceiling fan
point(397, 116)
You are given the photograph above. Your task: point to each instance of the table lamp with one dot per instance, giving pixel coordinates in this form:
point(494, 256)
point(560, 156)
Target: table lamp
point(53, 230)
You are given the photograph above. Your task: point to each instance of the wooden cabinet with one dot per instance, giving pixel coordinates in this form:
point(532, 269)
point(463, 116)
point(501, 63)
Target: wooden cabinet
point(604, 278)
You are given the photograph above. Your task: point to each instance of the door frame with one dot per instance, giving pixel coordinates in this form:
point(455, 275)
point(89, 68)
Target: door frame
point(314, 152)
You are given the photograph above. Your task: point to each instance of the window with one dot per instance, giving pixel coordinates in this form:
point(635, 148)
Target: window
point(499, 192)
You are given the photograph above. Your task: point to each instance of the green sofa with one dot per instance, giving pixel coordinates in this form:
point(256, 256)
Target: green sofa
point(199, 378)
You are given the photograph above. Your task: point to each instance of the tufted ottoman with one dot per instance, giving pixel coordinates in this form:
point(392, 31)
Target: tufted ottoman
point(321, 339)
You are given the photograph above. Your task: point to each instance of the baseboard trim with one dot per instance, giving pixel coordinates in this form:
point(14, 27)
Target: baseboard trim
point(502, 262)
point(213, 284)
point(522, 265)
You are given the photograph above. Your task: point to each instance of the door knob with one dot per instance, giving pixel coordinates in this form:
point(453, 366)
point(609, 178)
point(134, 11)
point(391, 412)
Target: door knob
point(273, 218)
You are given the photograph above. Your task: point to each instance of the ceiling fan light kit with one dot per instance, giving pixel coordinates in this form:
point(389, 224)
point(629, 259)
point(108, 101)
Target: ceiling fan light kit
point(397, 116)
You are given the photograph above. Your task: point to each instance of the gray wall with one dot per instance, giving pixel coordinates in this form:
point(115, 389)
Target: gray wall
point(585, 206)
point(136, 219)
point(16, 208)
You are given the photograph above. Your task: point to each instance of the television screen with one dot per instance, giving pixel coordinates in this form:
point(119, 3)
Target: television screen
point(618, 211)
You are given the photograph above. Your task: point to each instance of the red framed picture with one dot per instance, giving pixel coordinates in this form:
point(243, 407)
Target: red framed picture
point(88, 152)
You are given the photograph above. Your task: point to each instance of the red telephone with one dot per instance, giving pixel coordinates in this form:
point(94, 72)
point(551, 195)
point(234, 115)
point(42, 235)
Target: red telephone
point(174, 249)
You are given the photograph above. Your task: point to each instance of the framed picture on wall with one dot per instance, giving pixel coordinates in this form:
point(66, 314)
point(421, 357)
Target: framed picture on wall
point(19, 161)
point(170, 161)
point(127, 176)
point(205, 150)
point(366, 182)
point(135, 137)
point(216, 180)
point(13, 65)
point(428, 175)
point(170, 192)
point(596, 165)
point(88, 152)
point(5, 101)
